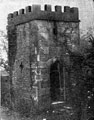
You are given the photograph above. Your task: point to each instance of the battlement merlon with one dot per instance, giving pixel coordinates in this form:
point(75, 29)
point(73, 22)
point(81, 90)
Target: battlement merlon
point(34, 12)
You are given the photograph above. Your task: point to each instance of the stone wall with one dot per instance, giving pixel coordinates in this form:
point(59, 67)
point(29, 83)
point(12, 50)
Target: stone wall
point(41, 36)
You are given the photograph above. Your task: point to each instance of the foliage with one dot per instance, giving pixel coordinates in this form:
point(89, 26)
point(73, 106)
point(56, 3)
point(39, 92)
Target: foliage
point(4, 51)
point(89, 74)
point(87, 48)
point(83, 60)
point(4, 64)
point(4, 41)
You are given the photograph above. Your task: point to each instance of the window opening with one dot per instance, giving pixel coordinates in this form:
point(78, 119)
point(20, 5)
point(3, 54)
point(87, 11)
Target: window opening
point(21, 66)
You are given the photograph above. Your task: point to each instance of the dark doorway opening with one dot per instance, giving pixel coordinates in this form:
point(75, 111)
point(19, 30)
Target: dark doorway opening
point(91, 118)
point(55, 81)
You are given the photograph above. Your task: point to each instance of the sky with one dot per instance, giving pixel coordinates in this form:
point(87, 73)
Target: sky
point(86, 10)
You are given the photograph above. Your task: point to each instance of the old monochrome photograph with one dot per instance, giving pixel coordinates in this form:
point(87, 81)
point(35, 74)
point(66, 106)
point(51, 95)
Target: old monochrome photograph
point(47, 59)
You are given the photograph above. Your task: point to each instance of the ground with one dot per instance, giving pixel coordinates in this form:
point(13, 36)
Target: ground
point(10, 115)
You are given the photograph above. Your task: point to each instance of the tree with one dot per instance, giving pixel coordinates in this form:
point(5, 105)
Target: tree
point(87, 47)
point(4, 51)
point(83, 55)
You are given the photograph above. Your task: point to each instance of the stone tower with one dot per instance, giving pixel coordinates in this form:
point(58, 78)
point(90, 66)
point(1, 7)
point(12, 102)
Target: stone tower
point(38, 56)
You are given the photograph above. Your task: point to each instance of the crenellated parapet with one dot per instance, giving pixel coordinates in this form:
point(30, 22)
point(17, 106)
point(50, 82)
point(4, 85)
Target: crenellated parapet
point(34, 12)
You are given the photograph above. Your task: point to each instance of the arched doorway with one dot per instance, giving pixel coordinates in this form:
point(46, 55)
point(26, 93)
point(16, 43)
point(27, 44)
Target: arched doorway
point(55, 80)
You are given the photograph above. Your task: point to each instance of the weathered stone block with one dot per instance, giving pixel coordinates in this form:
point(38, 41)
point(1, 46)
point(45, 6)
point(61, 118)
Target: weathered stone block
point(28, 9)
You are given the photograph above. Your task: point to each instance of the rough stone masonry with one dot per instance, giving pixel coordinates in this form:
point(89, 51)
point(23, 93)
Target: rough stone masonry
point(37, 40)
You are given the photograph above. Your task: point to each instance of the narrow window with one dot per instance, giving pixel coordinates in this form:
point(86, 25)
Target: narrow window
point(21, 66)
